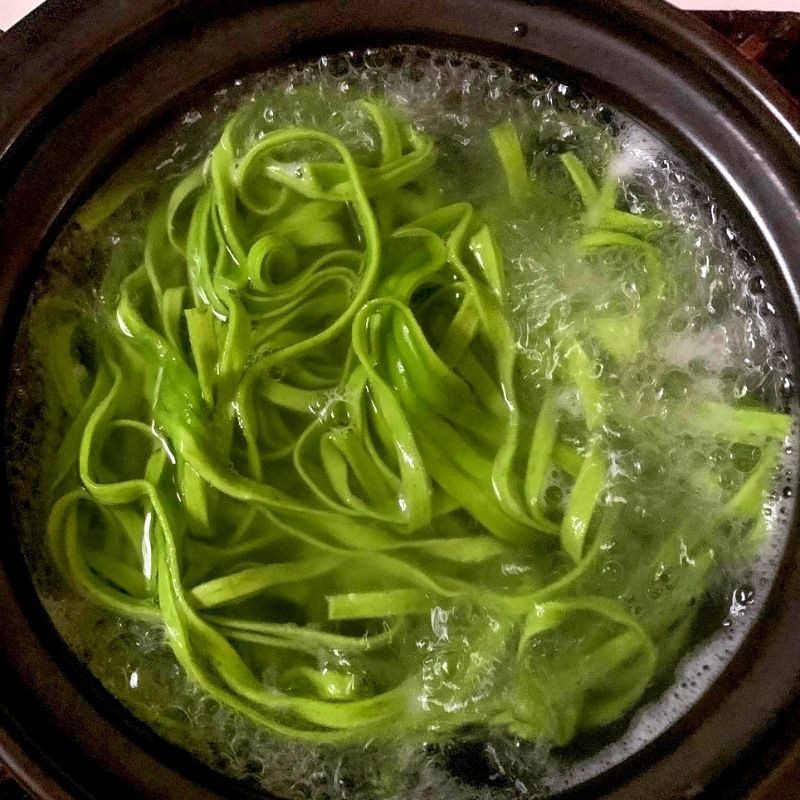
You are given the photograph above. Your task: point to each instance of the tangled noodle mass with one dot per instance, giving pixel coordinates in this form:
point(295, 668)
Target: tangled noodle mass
point(291, 430)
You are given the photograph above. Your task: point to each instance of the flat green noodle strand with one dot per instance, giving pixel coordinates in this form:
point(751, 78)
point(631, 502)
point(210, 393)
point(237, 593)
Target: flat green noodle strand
point(295, 427)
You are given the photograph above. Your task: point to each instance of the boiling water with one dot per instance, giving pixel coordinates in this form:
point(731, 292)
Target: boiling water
point(721, 342)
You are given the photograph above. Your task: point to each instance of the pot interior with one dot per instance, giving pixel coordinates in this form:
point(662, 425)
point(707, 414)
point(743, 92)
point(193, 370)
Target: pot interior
point(761, 274)
point(457, 97)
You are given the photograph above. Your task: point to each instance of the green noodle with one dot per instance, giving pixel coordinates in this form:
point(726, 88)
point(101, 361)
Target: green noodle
point(294, 426)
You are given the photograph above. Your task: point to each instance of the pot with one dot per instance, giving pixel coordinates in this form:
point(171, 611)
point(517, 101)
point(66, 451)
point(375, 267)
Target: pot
point(81, 81)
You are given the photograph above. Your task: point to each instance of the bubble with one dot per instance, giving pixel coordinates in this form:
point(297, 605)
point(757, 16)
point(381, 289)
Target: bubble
point(745, 595)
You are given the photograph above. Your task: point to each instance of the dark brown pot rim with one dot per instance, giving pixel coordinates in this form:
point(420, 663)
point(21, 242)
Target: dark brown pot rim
point(80, 80)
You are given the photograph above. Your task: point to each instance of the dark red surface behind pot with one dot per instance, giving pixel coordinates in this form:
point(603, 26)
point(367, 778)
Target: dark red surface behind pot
point(81, 81)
